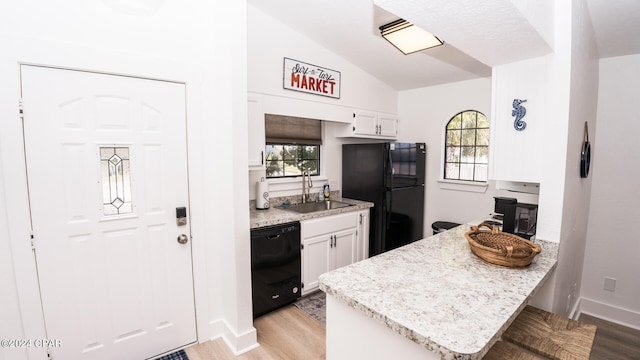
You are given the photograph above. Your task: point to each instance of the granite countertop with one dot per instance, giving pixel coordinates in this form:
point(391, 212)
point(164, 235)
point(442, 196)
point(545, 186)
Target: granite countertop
point(277, 215)
point(437, 293)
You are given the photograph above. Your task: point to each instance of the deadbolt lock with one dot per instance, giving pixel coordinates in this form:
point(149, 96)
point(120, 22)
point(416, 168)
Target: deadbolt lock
point(181, 216)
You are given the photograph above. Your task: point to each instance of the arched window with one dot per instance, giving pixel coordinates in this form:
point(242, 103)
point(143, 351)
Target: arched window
point(467, 147)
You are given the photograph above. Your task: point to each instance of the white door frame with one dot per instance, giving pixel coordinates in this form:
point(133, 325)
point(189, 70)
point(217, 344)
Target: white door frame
point(34, 52)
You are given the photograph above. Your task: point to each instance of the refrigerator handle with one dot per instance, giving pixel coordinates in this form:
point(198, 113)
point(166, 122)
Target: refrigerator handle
point(388, 193)
point(390, 169)
point(388, 206)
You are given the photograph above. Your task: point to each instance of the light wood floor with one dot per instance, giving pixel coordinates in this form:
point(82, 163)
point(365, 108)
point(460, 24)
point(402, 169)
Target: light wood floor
point(289, 333)
point(613, 341)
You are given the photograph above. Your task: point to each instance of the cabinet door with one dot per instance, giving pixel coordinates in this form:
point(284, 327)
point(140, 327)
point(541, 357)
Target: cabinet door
point(518, 155)
point(363, 235)
point(345, 245)
point(365, 122)
point(387, 125)
point(256, 132)
point(315, 261)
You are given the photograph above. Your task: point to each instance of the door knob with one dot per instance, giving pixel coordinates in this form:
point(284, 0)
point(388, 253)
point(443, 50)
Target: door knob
point(182, 239)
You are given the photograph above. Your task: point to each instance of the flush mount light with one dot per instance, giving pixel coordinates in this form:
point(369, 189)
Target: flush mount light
point(407, 37)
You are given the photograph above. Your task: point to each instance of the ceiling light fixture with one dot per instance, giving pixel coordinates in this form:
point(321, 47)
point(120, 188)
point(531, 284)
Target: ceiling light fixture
point(407, 37)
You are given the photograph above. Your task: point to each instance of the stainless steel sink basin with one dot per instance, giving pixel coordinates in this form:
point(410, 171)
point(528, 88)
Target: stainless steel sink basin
point(316, 206)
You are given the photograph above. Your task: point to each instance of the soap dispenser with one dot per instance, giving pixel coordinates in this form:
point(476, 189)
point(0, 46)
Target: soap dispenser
point(326, 191)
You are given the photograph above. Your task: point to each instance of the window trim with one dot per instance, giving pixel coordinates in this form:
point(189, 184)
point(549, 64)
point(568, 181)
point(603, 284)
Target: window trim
point(463, 185)
point(454, 184)
point(443, 148)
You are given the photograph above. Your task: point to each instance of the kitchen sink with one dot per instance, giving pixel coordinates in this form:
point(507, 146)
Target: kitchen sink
point(316, 206)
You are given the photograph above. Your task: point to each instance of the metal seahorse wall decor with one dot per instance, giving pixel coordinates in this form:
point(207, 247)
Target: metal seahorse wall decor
point(519, 112)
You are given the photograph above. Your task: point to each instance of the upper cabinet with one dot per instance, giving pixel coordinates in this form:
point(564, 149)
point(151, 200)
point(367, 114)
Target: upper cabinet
point(256, 132)
point(518, 119)
point(370, 124)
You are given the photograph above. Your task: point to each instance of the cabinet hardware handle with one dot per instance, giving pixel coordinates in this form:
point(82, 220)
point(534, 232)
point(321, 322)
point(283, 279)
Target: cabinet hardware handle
point(262, 157)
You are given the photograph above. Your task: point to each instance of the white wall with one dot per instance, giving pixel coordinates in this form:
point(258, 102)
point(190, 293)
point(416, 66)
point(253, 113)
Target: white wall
point(180, 42)
point(613, 249)
point(269, 42)
point(425, 113)
point(577, 191)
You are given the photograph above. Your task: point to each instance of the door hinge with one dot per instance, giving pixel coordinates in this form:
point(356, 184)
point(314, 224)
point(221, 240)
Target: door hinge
point(49, 355)
point(301, 246)
point(302, 285)
point(21, 109)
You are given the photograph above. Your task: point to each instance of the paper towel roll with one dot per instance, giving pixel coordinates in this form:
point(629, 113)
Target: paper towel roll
point(262, 194)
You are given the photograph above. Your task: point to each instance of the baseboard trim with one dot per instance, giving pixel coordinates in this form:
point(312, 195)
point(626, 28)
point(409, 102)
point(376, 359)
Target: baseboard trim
point(609, 313)
point(237, 343)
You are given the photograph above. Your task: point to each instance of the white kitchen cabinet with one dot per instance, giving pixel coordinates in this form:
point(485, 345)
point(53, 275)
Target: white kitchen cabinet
point(371, 124)
point(256, 132)
point(328, 243)
point(388, 125)
point(517, 156)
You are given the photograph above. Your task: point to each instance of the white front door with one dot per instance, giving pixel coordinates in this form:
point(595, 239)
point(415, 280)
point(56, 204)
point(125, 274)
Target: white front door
point(107, 168)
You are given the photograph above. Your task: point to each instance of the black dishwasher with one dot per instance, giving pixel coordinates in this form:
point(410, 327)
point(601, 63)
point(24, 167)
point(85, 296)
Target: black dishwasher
point(275, 266)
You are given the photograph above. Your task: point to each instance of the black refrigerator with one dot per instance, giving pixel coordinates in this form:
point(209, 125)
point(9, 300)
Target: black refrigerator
point(391, 175)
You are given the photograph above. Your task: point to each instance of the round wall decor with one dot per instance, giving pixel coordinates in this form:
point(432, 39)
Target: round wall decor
point(585, 154)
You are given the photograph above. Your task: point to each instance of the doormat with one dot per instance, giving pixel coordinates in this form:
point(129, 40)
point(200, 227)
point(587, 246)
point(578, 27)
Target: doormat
point(178, 355)
point(314, 305)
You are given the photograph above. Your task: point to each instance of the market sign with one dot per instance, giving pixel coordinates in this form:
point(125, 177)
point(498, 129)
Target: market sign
point(312, 79)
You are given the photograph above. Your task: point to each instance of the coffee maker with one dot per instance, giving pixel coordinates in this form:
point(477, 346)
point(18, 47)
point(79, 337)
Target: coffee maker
point(520, 219)
point(500, 206)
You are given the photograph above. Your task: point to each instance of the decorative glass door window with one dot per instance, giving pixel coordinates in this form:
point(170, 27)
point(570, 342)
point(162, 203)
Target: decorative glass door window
point(115, 172)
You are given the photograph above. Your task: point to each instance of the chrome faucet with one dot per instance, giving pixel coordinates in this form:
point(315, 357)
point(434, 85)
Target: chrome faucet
point(307, 184)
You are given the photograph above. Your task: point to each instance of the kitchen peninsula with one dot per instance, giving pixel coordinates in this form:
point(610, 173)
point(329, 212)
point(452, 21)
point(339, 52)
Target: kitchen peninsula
point(431, 299)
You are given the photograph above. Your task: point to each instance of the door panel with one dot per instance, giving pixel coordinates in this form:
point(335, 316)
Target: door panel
point(106, 164)
point(345, 248)
point(404, 216)
point(316, 261)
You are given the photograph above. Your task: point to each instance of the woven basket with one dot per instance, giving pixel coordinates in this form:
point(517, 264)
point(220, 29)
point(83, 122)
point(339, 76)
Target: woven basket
point(499, 248)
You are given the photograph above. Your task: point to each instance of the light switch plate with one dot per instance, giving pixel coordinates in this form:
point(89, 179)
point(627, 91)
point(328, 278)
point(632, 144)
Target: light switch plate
point(610, 284)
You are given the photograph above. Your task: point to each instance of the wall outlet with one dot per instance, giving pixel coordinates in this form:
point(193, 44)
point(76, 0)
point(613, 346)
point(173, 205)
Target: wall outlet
point(609, 284)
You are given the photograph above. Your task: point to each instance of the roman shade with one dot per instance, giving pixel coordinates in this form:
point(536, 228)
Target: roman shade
point(281, 129)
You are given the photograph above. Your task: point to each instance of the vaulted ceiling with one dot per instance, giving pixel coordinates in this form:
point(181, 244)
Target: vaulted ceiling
point(477, 35)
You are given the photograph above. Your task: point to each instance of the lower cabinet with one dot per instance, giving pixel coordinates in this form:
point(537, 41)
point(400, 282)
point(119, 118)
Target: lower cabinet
point(328, 243)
